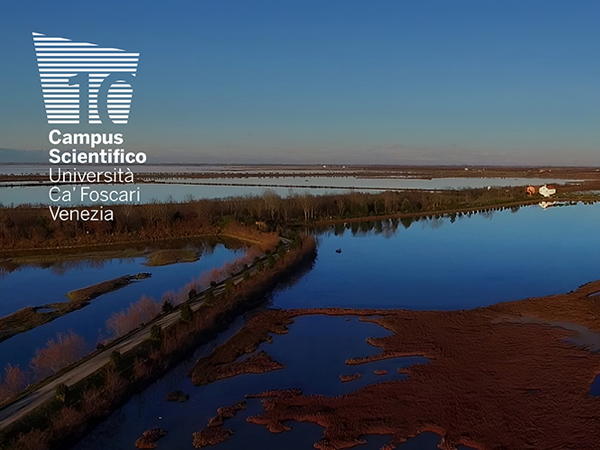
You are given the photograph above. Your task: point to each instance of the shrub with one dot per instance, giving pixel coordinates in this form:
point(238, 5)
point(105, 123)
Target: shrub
point(13, 382)
point(59, 352)
point(144, 310)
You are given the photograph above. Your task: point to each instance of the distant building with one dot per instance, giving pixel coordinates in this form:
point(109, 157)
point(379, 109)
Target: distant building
point(547, 191)
point(531, 190)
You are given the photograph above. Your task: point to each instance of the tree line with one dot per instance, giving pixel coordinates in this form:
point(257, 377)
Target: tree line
point(32, 227)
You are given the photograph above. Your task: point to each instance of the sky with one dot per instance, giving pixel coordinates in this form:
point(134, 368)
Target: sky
point(363, 82)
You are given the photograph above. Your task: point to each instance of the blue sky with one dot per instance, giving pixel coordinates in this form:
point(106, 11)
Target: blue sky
point(421, 81)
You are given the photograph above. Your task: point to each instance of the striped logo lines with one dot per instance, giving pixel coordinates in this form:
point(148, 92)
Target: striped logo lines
point(82, 81)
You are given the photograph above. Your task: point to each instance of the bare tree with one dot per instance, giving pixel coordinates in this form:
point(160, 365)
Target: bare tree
point(59, 352)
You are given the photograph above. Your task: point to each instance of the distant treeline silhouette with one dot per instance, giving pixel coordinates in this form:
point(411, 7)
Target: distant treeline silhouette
point(32, 227)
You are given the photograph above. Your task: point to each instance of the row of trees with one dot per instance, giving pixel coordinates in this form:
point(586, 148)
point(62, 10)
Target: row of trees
point(76, 406)
point(69, 347)
point(26, 227)
point(145, 309)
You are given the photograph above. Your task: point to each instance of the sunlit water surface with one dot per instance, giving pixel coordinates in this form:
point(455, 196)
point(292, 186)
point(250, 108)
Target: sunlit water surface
point(35, 286)
point(446, 263)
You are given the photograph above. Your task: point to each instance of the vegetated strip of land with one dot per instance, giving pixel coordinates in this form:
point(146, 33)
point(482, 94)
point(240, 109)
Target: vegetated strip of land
point(65, 256)
point(99, 382)
point(226, 229)
point(172, 256)
point(33, 316)
point(87, 293)
point(377, 171)
point(511, 375)
point(25, 229)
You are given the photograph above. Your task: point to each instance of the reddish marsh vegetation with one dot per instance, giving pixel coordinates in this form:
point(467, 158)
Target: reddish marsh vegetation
point(351, 377)
point(223, 361)
point(513, 375)
point(215, 433)
point(149, 438)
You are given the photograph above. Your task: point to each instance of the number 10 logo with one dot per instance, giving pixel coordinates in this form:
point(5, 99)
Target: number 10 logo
point(83, 78)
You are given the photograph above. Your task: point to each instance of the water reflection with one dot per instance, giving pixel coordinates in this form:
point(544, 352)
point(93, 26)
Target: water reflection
point(452, 262)
point(438, 262)
point(389, 226)
point(313, 353)
point(180, 190)
point(53, 279)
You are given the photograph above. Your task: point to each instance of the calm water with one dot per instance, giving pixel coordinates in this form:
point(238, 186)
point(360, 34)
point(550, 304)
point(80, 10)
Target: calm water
point(429, 264)
point(313, 353)
point(283, 186)
point(156, 193)
point(441, 264)
point(33, 286)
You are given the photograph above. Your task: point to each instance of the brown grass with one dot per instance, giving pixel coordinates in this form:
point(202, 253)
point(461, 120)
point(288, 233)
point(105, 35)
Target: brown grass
point(215, 433)
point(222, 363)
point(172, 256)
point(491, 383)
point(505, 376)
point(351, 377)
point(149, 438)
point(90, 292)
point(33, 316)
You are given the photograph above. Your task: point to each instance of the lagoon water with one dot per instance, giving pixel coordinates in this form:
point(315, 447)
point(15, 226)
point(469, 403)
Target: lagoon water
point(35, 286)
point(442, 263)
point(154, 193)
point(447, 263)
point(313, 353)
point(180, 190)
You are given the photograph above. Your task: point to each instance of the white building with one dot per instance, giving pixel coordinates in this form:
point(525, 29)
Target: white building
point(546, 191)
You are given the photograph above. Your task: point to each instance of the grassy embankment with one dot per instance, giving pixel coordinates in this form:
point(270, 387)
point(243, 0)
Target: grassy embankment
point(64, 418)
point(34, 316)
point(172, 256)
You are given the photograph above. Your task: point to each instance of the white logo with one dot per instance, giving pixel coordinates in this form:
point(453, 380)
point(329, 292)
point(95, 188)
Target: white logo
point(72, 72)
